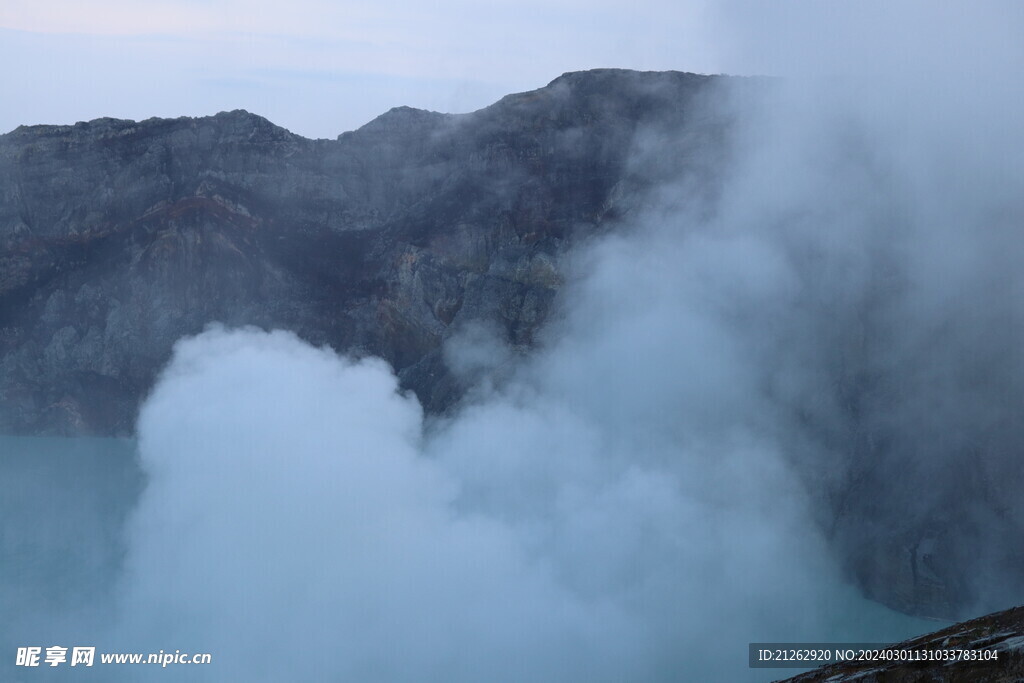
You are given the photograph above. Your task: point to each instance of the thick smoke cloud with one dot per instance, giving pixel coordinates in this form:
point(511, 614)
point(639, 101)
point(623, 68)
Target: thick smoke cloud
point(883, 178)
point(743, 411)
point(754, 402)
point(297, 524)
point(292, 526)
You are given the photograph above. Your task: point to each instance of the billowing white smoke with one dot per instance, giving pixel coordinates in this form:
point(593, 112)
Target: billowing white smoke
point(886, 180)
point(619, 509)
point(647, 493)
point(292, 526)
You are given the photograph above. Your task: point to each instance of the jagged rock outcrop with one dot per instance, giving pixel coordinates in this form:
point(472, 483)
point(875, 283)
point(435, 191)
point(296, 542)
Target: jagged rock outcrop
point(119, 237)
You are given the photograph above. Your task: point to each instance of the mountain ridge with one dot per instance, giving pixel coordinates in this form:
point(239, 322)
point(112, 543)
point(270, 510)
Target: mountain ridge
point(526, 173)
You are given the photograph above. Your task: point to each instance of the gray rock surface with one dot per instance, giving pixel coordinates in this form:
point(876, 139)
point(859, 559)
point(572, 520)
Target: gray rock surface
point(119, 237)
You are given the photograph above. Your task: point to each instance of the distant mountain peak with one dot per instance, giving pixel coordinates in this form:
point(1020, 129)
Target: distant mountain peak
point(402, 118)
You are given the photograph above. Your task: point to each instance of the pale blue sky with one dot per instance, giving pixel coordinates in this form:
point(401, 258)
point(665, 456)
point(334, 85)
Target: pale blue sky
point(313, 66)
point(320, 67)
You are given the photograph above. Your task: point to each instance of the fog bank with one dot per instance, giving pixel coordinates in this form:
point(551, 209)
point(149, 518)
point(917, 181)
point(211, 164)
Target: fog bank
point(294, 505)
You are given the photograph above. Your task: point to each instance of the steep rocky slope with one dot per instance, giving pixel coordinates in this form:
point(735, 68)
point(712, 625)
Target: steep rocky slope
point(119, 237)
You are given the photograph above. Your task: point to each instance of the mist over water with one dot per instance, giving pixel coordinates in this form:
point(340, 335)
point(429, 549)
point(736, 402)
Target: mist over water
point(747, 399)
point(296, 504)
point(63, 509)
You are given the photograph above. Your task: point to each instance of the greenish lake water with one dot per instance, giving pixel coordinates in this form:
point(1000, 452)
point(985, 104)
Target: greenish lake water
point(63, 503)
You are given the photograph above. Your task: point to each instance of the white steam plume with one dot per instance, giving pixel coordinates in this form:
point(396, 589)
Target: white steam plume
point(688, 464)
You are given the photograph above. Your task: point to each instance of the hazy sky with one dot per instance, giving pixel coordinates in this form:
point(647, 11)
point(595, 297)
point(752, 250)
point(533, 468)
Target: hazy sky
point(320, 67)
point(315, 66)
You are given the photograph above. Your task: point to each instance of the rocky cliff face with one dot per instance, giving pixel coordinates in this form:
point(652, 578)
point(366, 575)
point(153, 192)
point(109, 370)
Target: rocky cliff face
point(119, 237)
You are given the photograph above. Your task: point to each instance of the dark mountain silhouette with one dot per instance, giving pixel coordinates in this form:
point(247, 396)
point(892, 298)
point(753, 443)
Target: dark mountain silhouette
point(119, 237)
